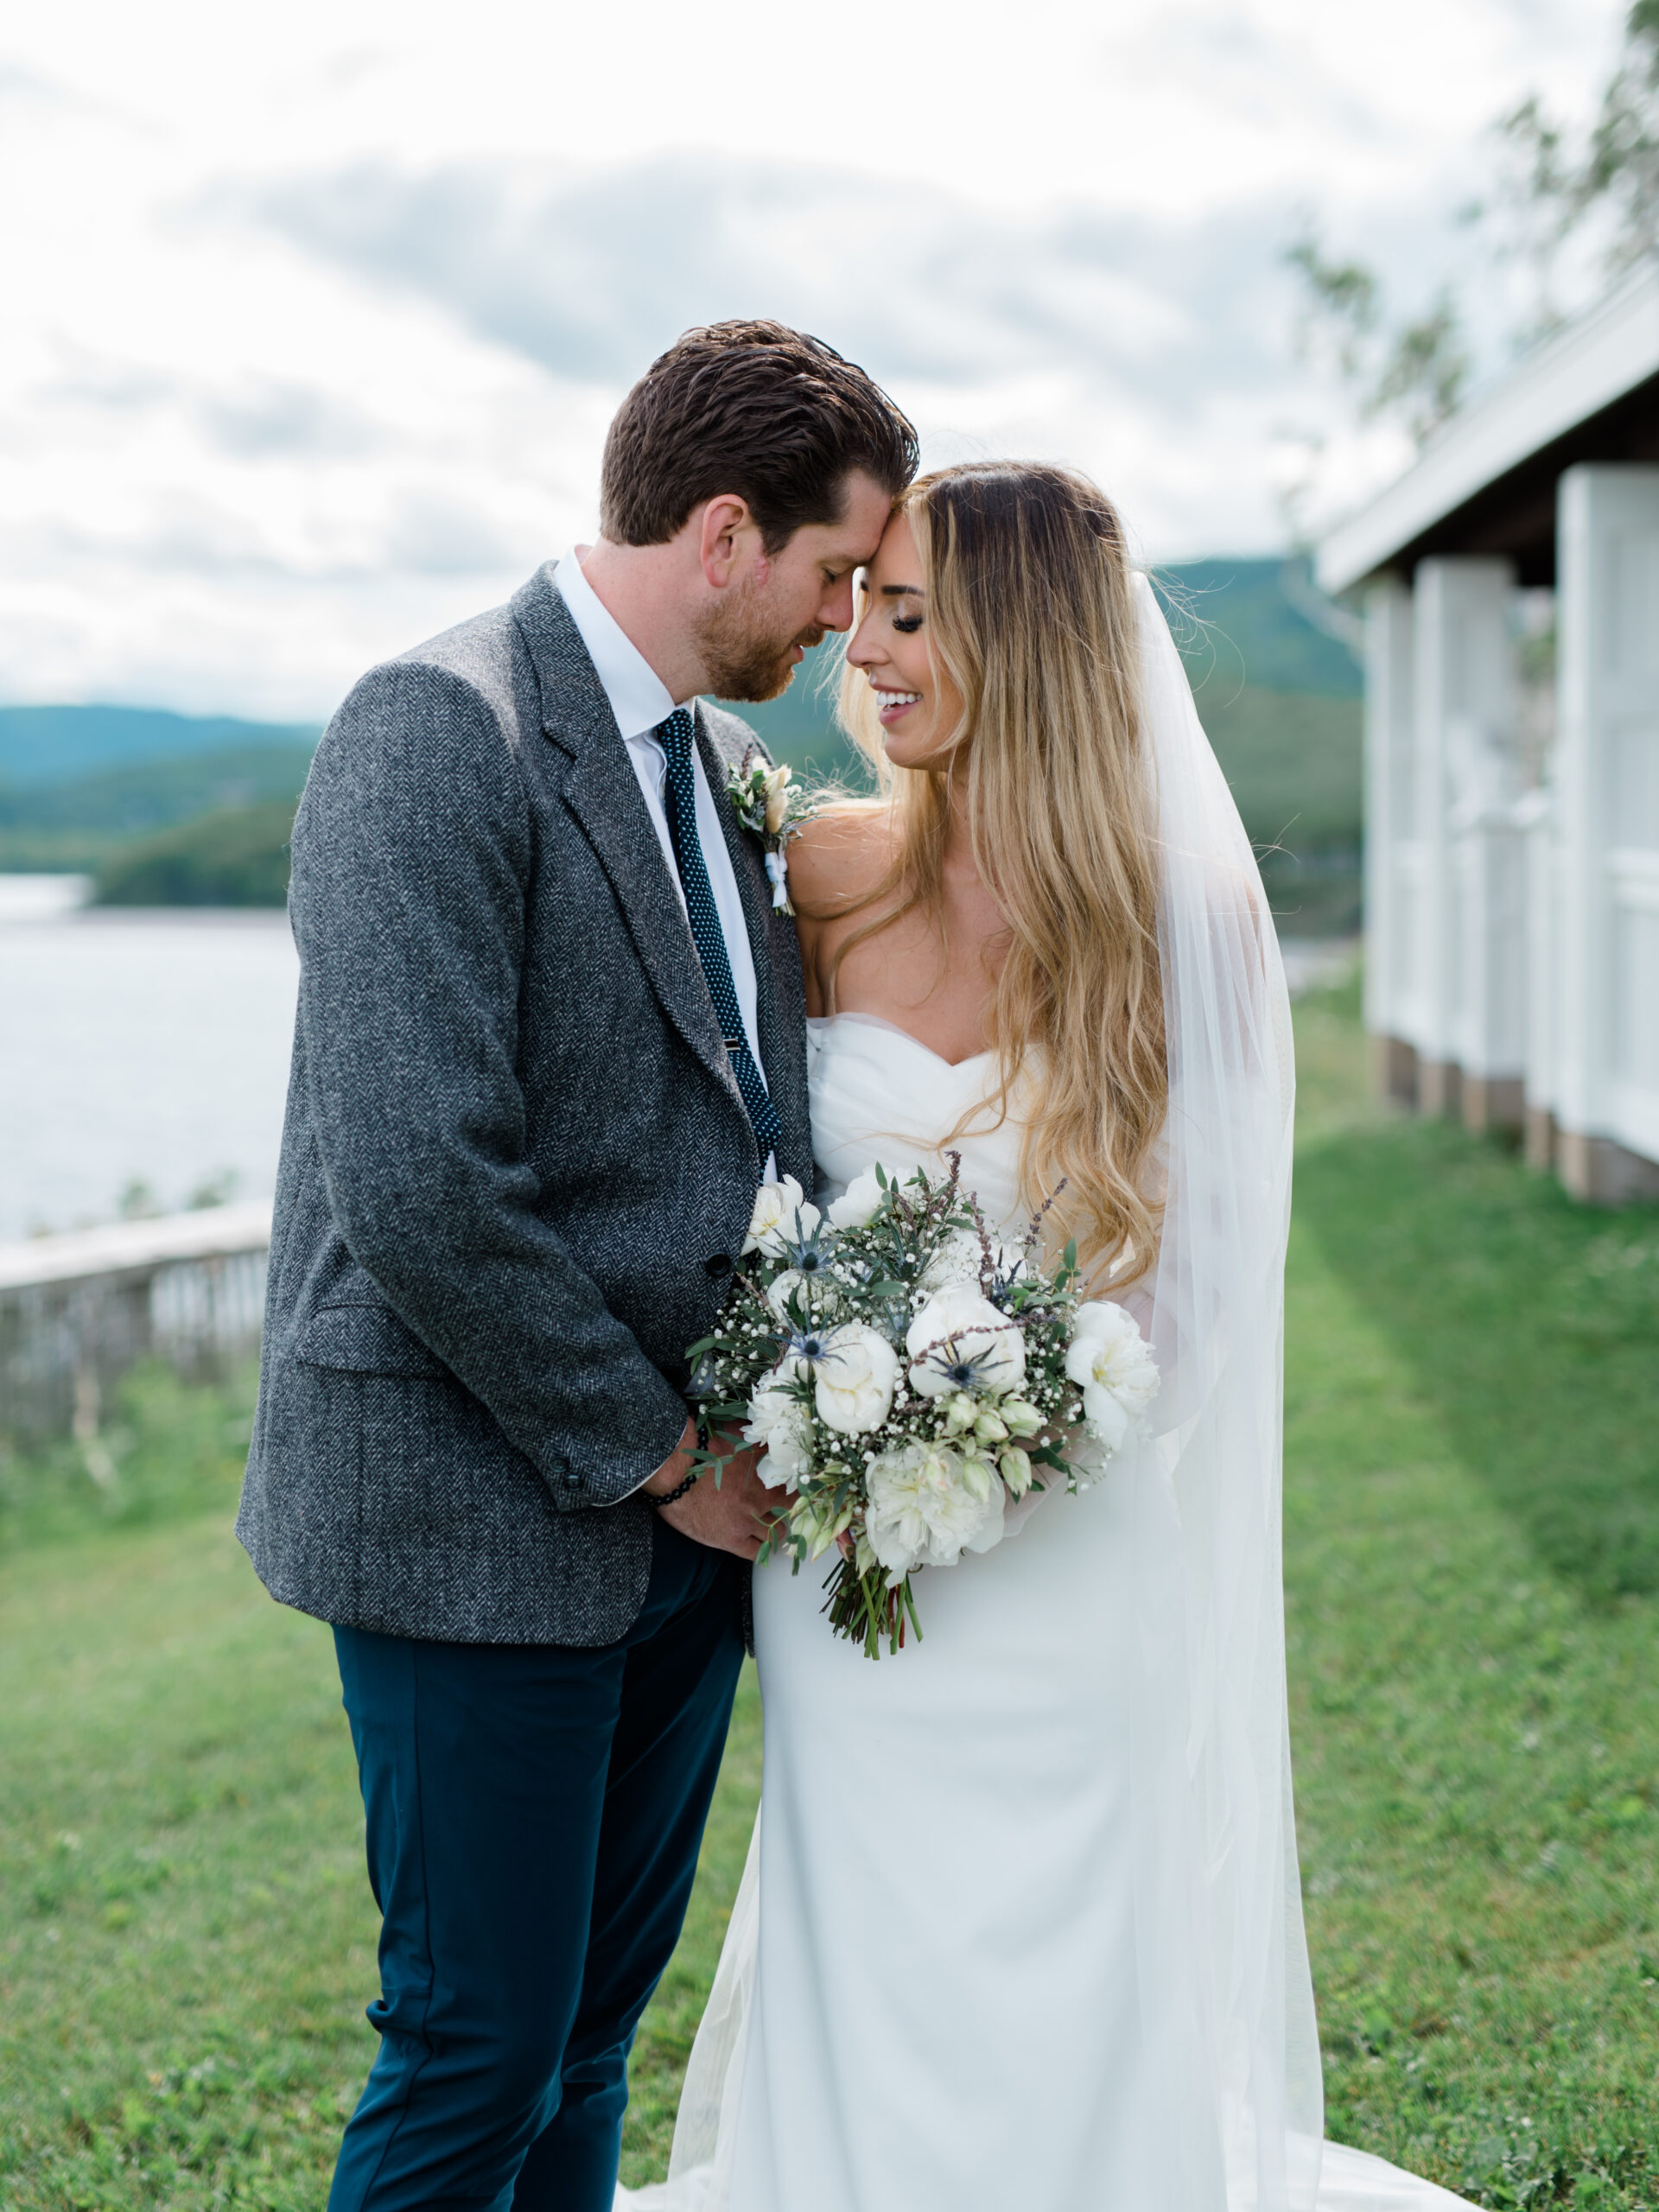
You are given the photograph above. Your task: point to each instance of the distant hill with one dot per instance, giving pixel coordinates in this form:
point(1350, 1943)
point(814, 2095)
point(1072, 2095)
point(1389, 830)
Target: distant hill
point(72, 824)
point(237, 858)
point(1245, 623)
point(50, 745)
point(1279, 696)
point(1264, 624)
point(1277, 689)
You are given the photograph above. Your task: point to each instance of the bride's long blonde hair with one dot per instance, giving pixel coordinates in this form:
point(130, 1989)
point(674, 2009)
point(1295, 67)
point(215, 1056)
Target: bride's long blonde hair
point(1031, 614)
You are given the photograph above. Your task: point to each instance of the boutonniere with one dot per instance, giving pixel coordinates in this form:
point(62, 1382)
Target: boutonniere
point(773, 809)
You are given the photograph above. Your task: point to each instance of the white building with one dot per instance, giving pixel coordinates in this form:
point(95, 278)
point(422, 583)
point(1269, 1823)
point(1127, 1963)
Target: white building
point(1511, 812)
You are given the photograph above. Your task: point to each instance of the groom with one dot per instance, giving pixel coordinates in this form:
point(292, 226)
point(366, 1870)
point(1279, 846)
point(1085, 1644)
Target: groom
point(550, 1038)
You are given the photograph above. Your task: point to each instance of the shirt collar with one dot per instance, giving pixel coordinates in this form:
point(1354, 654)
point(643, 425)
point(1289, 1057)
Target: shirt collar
point(637, 696)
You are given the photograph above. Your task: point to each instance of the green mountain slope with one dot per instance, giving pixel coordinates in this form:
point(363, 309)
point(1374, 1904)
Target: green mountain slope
point(236, 858)
point(73, 825)
point(1279, 698)
point(44, 745)
point(1277, 694)
point(1252, 623)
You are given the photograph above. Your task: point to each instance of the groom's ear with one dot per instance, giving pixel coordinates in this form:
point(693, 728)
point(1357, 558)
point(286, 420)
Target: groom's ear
point(729, 540)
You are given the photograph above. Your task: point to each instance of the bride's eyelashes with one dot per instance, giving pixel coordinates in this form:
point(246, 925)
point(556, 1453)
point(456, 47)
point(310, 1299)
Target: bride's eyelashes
point(907, 623)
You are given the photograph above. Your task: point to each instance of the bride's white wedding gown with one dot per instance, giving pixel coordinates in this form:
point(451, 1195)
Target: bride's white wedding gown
point(947, 2005)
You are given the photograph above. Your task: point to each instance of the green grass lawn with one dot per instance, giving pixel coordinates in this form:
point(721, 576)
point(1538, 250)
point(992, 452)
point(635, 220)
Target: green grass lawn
point(186, 1942)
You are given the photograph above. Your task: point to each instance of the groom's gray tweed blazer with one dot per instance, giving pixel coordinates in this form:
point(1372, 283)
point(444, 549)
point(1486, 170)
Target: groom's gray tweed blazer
point(515, 1168)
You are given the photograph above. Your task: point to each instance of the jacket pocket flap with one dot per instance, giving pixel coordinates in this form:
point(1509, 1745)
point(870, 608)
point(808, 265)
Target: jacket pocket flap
point(367, 1340)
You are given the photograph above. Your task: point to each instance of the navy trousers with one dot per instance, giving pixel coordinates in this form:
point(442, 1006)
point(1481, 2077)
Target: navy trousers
point(534, 1815)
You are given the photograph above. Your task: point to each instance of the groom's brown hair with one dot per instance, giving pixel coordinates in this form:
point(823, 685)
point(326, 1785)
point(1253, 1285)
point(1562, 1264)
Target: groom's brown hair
point(754, 408)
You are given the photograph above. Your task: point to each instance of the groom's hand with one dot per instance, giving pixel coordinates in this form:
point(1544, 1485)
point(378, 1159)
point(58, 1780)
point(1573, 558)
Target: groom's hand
point(732, 1517)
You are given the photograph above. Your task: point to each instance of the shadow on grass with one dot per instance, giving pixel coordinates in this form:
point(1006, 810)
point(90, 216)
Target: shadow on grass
point(1530, 1325)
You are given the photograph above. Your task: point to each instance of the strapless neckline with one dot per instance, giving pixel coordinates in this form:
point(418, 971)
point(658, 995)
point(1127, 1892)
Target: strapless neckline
point(819, 1026)
point(880, 1095)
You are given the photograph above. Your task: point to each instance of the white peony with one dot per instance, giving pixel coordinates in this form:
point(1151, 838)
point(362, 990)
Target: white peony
point(960, 1342)
point(858, 1204)
point(927, 1504)
point(1110, 1362)
point(781, 1217)
point(783, 1425)
point(854, 1378)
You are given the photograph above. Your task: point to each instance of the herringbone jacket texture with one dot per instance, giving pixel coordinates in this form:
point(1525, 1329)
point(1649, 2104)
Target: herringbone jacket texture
point(515, 1169)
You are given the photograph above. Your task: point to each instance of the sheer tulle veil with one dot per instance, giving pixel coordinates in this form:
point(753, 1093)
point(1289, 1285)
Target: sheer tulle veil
point(1224, 1995)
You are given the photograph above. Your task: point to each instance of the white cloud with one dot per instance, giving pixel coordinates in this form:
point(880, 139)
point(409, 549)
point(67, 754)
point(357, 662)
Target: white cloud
point(313, 322)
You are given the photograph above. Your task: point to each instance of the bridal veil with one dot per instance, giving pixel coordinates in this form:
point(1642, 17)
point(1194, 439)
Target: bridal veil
point(1223, 1991)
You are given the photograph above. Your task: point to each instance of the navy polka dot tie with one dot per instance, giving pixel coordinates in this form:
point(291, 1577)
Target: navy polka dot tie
point(675, 736)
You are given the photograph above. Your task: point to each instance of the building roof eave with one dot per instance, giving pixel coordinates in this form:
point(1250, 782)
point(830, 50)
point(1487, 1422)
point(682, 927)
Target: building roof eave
point(1578, 373)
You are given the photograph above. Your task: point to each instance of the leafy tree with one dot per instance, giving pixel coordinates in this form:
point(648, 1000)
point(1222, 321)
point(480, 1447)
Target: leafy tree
point(1552, 185)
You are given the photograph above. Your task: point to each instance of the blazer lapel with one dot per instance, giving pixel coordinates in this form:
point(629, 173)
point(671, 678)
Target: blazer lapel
point(603, 793)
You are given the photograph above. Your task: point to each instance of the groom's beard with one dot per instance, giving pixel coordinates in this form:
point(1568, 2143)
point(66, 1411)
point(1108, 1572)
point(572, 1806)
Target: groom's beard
point(745, 660)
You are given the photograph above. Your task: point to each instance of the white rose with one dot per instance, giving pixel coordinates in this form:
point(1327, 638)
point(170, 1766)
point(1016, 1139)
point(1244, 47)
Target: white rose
point(960, 1342)
point(858, 1204)
point(927, 1504)
point(782, 1424)
point(1111, 1363)
point(781, 1217)
point(855, 1379)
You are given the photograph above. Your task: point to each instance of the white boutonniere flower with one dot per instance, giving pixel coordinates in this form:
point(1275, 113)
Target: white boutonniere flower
point(782, 1218)
point(773, 808)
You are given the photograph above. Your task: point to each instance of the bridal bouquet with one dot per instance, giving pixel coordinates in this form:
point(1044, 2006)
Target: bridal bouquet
point(908, 1374)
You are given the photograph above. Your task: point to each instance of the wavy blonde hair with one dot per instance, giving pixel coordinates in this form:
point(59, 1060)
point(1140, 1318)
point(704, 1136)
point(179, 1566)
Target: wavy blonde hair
point(1031, 614)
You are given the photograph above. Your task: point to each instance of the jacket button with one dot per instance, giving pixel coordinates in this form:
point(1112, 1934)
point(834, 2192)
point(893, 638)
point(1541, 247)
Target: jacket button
point(717, 1264)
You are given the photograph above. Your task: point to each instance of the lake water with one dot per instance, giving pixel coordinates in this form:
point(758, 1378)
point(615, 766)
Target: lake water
point(135, 1047)
point(154, 1047)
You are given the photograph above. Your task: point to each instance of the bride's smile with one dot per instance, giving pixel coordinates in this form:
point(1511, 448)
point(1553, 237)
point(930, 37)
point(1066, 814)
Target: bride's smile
point(919, 706)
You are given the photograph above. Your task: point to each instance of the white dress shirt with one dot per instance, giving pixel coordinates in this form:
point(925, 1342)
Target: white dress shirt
point(639, 701)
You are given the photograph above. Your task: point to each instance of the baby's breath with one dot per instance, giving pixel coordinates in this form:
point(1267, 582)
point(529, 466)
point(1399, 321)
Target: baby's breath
point(962, 1425)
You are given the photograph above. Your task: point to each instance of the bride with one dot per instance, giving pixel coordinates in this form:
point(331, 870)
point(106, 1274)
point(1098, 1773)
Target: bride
point(1021, 1928)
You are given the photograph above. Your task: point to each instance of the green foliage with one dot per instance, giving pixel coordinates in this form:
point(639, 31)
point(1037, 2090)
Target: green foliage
point(168, 1449)
point(1548, 183)
point(1416, 371)
point(235, 858)
point(1612, 173)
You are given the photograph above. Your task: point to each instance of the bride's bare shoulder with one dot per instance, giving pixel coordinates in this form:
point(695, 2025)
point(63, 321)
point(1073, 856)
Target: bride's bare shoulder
point(838, 859)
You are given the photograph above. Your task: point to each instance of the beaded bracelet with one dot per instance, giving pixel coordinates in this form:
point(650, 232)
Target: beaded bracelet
point(667, 1497)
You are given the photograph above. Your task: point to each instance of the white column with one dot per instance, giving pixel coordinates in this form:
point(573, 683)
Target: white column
point(1390, 827)
point(1537, 816)
point(1465, 686)
point(1607, 774)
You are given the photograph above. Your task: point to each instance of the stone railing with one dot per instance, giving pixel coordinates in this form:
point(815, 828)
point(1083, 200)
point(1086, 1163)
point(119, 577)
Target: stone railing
point(77, 1310)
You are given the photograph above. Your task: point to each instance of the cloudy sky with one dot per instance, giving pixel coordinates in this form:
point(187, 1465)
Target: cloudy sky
point(311, 318)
